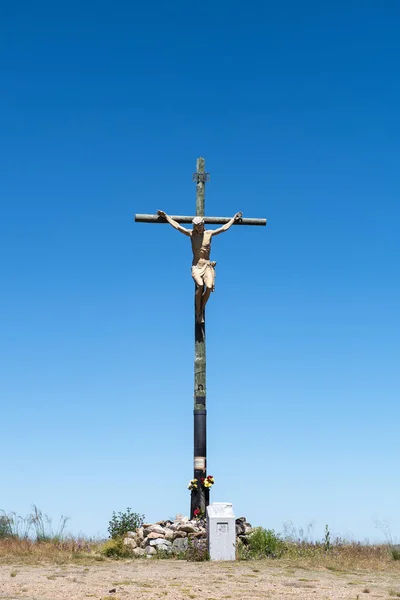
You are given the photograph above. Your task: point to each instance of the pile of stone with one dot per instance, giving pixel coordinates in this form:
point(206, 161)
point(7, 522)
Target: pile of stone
point(243, 529)
point(171, 537)
point(174, 537)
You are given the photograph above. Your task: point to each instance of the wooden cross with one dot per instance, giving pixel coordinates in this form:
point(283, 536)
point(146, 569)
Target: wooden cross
point(200, 495)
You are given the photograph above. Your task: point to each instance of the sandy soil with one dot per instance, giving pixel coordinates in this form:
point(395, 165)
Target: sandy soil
point(176, 580)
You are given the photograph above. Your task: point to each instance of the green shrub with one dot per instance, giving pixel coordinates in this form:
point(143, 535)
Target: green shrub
point(395, 552)
point(264, 542)
point(5, 527)
point(123, 522)
point(327, 539)
point(115, 548)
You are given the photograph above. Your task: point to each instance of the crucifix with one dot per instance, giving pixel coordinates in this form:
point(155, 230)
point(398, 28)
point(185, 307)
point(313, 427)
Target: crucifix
point(203, 274)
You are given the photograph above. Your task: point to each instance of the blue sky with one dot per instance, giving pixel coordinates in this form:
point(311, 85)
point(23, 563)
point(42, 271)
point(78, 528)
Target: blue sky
point(104, 108)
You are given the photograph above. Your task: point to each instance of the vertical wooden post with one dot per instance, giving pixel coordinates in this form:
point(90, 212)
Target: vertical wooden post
point(200, 188)
point(200, 497)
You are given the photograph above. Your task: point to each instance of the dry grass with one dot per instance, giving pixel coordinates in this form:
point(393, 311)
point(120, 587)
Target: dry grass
point(25, 551)
point(343, 557)
point(339, 559)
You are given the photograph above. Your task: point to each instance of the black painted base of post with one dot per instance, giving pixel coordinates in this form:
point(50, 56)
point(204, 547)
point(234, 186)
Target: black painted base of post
point(200, 498)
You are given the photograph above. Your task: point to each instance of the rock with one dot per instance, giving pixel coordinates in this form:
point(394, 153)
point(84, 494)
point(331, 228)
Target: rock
point(180, 545)
point(159, 542)
point(154, 535)
point(140, 534)
point(153, 529)
point(188, 527)
point(164, 523)
point(180, 534)
point(242, 526)
point(130, 542)
point(131, 534)
point(139, 552)
point(148, 540)
point(150, 550)
point(164, 548)
point(239, 528)
point(169, 534)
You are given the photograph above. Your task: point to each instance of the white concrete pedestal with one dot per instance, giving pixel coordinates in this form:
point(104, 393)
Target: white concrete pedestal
point(221, 531)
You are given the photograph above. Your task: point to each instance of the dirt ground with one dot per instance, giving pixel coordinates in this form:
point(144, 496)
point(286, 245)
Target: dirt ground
point(176, 580)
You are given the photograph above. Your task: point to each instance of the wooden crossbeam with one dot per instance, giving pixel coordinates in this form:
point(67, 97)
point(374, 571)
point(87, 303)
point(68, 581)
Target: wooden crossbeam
point(207, 220)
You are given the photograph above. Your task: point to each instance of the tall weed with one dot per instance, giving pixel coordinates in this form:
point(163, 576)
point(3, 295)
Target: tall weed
point(394, 549)
point(37, 526)
point(42, 526)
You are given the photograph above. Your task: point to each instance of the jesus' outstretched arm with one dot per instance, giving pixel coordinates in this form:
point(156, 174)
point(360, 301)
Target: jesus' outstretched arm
point(174, 223)
point(227, 225)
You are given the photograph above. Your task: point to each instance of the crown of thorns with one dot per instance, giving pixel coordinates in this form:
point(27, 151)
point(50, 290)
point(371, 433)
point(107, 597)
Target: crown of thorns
point(198, 221)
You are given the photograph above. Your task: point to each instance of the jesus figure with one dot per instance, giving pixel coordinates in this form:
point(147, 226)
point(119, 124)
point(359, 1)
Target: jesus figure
point(203, 271)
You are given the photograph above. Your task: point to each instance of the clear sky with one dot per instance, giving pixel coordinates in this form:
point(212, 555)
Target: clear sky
point(104, 108)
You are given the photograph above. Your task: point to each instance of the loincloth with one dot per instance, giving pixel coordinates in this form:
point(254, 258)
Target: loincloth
point(204, 271)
